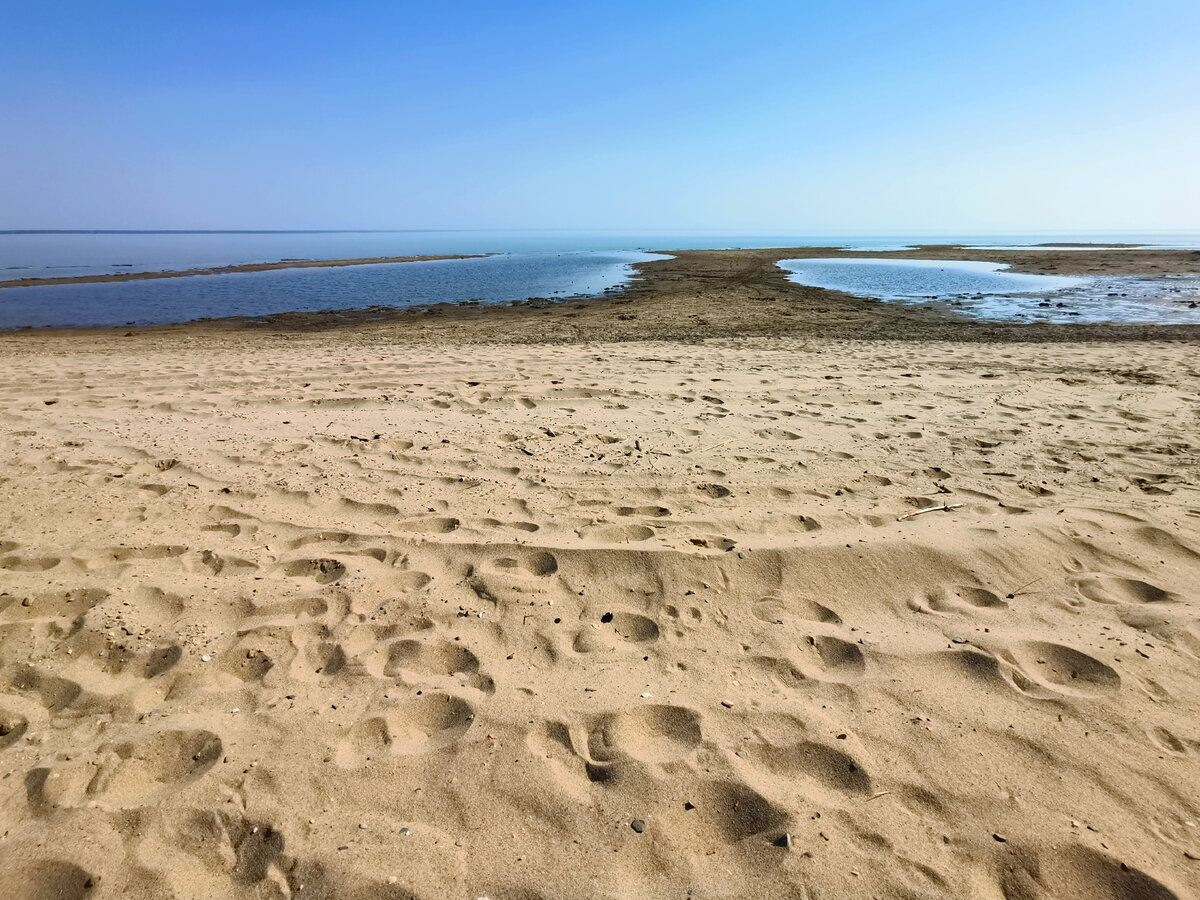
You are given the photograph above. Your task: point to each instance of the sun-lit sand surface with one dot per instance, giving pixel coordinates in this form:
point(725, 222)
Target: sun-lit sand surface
point(374, 612)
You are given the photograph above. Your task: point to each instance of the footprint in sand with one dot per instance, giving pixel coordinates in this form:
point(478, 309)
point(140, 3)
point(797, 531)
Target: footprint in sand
point(128, 774)
point(12, 727)
point(649, 734)
point(1061, 669)
point(962, 599)
point(322, 571)
point(420, 725)
point(54, 693)
point(432, 661)
point(616, 534)
point(780, 611)
point(1114, 589)
point(49, 880)
point(834, 657)
point(29, 563)
point(826, 765)
point(614, 629)
point(725, 811)
point(1076, 873)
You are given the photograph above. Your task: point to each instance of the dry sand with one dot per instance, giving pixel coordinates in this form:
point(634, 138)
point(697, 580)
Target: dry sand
point(376, 612)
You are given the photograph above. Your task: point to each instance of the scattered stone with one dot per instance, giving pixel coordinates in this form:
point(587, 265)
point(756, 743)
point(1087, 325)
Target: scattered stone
point(206, 658)
point(727, 704)
point(1002, 840)
point(406, 831)
point(784, 840)
point(647, 696)
point(1093, 828)
point(638, 825)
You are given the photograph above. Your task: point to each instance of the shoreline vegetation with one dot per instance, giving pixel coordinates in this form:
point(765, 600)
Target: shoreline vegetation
point(230, 270)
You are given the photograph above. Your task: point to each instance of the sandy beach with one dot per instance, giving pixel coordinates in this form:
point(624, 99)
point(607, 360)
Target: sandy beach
point(721, 587)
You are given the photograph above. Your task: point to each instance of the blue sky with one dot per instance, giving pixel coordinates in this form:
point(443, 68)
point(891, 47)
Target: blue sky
point(809, 118)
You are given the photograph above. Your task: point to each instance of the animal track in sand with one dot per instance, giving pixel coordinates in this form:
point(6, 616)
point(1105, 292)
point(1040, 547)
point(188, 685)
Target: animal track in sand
point(322, 571)
point(420, 725)
point(1063, 668)
point(778, 611)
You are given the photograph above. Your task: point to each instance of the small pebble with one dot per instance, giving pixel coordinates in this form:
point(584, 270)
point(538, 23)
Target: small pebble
point(1000, 839)
point(406, 831)
point(205, 658)
point(646, 696)
point(638, 825)
point(784, 840)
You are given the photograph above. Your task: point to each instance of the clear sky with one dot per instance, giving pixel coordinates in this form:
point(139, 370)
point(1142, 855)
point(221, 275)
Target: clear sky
point(808, 118)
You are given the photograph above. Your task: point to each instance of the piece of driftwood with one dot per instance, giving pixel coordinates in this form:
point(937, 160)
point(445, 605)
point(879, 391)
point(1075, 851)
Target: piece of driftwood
point(926, 509)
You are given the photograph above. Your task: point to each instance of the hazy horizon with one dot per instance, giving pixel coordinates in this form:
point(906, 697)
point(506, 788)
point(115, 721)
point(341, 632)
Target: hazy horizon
point(799, 119)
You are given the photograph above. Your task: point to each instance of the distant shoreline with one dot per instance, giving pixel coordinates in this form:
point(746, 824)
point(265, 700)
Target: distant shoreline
point(228, 270)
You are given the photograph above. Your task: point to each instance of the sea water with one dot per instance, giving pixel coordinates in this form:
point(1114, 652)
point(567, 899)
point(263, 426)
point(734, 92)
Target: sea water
point(992, 291)
point(494, 279)
point(528, 264)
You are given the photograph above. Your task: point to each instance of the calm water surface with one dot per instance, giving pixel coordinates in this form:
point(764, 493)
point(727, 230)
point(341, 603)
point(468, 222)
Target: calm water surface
point(990, 291)
point(496, 279)
point(530, 264)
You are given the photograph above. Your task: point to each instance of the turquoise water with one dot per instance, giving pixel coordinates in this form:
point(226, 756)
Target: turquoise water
point(990, 291)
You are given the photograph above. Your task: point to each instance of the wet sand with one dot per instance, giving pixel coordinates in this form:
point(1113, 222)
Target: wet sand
point(724, 585)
